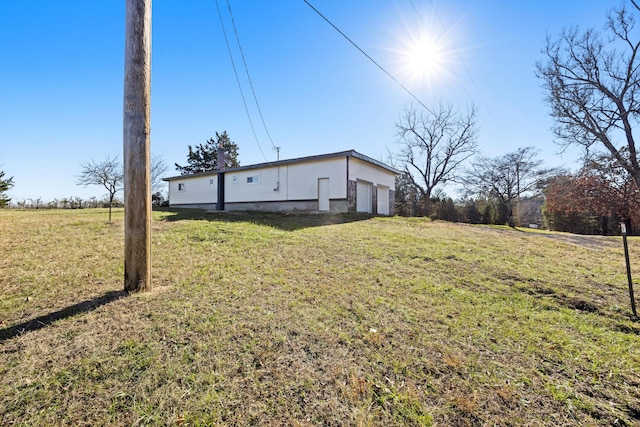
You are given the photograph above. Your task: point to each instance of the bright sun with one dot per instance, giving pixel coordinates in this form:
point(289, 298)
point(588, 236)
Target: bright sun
point(424, 58)
point(425, 51)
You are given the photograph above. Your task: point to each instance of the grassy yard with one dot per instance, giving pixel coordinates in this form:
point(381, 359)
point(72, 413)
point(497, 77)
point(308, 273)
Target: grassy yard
point(262, 319)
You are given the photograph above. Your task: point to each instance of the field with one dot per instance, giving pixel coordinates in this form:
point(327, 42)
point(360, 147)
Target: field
point(264, 319)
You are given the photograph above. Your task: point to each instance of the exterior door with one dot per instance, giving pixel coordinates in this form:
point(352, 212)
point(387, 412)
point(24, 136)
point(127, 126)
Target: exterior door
point(383, 200)
point(363, 197)
point(323, 194)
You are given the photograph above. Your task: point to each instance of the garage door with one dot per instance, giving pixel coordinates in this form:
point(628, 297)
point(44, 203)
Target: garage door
point(363, 196)
point(383, 200)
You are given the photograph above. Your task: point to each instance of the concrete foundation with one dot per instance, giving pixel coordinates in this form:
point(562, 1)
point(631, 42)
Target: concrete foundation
point(335, 206)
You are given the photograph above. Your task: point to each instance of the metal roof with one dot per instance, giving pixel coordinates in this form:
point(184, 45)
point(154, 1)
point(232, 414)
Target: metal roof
point(348, 153)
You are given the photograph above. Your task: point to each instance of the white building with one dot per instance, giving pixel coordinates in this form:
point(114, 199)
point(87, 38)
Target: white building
point(338, 182)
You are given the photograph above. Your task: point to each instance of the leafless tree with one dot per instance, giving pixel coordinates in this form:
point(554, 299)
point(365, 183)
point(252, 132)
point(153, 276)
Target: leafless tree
point(158, 168)
point(107, 173)
point(434, 144)
point(507, 178)
point(593, 87)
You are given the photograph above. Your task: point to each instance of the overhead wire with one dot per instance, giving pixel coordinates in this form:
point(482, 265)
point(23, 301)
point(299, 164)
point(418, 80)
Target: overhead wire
point(464, 65)
point(233, 23)
point(369, 57)
point(442, 24)
point(238, 81)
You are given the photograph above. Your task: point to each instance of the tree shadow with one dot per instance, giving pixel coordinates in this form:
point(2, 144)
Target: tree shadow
point(48, 319)
point(283, 221)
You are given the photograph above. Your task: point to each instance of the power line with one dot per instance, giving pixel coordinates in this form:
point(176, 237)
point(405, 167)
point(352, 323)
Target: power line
point(238, 80)
point(233, 23)
point(464, 65)
point(369, 57)
point(442, 25)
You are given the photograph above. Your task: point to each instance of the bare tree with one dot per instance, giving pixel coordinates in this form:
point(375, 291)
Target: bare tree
point(507, 178)
point(158, 168)
point(593, 87)
point(434, 144)
point(107, 173)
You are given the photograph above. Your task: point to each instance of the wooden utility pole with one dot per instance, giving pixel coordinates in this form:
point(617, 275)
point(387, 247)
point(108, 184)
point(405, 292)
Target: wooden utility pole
point(137, 177)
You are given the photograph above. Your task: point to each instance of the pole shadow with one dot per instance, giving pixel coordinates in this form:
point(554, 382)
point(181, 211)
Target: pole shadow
point(48, 319)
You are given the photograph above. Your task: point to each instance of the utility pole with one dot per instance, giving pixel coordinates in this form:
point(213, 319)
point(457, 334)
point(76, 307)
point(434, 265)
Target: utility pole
point(136, 136)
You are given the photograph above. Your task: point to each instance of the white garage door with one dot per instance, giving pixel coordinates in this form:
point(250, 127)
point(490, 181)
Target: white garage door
point(383, 200)
point(363, 196)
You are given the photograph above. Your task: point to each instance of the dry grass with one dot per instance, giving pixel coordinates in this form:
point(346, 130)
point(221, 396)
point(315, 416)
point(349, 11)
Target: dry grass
point(263, 319)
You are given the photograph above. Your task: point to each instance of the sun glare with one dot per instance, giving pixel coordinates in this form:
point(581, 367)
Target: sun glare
point(425, 51)
point(425, 57)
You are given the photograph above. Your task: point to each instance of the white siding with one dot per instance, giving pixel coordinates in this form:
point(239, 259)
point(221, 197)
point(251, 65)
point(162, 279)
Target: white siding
point(196, 190)
point(303, 179)
point(293, 182)
point(297, 182)
point(365, 171)
point(239, 190)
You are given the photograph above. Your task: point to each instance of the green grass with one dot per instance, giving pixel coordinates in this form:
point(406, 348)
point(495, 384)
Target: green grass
point(264, 319)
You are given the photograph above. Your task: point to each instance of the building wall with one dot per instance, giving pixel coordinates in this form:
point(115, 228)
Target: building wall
point(303, 179)
point(292, 187)
point(197, 190)
point(204, 206)
point(296, 182)
point(364, 171)
point(352, 188)
point(263, 185)
point(284, 206)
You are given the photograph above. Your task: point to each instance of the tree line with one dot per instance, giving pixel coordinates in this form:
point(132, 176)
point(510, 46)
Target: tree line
point(71, 202)
point(592, 85)
point(517, 190)
point(109, 174)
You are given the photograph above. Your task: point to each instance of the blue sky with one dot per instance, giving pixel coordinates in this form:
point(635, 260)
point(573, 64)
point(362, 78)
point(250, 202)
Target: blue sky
point(62, 64)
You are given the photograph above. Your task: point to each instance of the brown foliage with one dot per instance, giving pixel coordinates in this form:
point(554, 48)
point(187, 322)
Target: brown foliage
point(601, 188)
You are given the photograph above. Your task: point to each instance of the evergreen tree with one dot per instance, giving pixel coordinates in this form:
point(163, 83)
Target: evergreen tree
point(407, 196)
point(205, 156)
point(5, 185)
point(488, 214)
point(472, 213)
point(447, 210)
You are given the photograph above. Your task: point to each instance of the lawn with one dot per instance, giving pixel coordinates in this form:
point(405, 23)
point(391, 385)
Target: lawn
point(265, 319)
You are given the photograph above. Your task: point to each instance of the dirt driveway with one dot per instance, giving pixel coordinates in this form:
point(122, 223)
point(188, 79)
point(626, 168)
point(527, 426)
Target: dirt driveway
point(585, 241)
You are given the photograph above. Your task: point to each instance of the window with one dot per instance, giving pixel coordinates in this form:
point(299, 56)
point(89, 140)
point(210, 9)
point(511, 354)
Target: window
point(180, 186)
point(234, 178)
point(255, 179)
point(211, 181)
